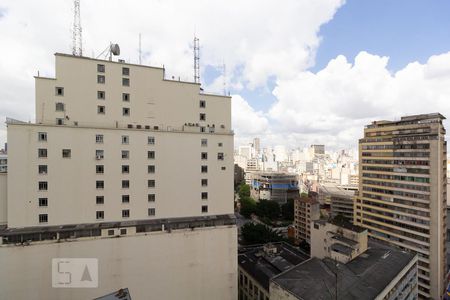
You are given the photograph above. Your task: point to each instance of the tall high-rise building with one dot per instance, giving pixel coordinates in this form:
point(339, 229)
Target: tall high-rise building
point(117, 150)
point(402, 191)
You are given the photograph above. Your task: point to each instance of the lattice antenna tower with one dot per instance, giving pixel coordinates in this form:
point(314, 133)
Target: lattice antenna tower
point(140, 50)
point(224, 69)
point(196, 60)
point(77, 40)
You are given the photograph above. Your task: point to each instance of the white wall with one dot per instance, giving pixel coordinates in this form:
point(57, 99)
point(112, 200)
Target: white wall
point(3, 198)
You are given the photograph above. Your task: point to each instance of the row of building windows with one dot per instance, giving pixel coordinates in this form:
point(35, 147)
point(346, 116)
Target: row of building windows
point(101, 95)
point(397, 208)
point(396, 193)
point(397, 177)
point(99, 154)
point(395, 147)
point(100, 169)
point(397, 170)
point(101, 110)
point(399, 201)
point(396, 154)
point(398, 185)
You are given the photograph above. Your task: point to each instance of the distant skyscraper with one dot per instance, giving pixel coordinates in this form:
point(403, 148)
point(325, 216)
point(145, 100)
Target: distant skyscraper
point(257, 146)
point(402, 191)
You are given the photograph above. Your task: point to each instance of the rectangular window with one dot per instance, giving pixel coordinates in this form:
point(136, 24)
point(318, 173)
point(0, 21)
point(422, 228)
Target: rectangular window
point(202, 103)
point(220, 156)
point(42, 153)
point(125, 139)
point(101, 110)
point(59, 106)
point(202, 129)
point(43, 202)
point(123, 231)
point(125, 213)
point(42, 136)
point(151, 212)
point(125, 97)
point(43, 185)
point(204, 195)
point(126, 81)
point(59, 91)
point(125, 154)
point(111, 232)
point(151, 169)
point(99, 169)
point(125, 184)
point(151, 183)
point(204, 208)
point(204, 182)
point(59, 121)
point(99, 138)
point(202, 117)
point(100, 68)
point(100, 184)
point(151, 197)
point(99, 154)
point(101, 95)
point(43, 169)
point(220, 144)
point(125, 198)
point(151, 154)
point(100, 200)
point(66, 153)
point(100, 79)
point(126, 71)
point(43, 218)
point(125, 169)
point(99, 214)
point(224, 168)
point(204, 169)
point(151, 140)
point(204, 155)
point(126, 111)
point(204, 142)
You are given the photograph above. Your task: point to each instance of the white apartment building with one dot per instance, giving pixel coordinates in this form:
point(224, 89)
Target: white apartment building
point(117, 146)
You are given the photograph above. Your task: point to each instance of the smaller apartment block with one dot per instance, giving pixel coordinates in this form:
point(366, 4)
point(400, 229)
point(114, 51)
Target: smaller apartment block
point(306, 209)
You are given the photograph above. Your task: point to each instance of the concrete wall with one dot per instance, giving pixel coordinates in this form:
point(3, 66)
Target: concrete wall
point(3, 198)
point(278, 293)
point(199, 264)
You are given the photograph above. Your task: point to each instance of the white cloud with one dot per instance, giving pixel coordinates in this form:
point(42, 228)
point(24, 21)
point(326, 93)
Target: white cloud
point(247, 122)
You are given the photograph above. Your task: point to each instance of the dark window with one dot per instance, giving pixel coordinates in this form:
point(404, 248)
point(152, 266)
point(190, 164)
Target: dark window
point(204, 142)
point(101, 109)
point(126, 71)
point(59, 91)
point(66, 153)
point(220, 144)
point(125, 213)
point(151, 140)
point(202, 103)
point(125, 154)
point(43, 218)
point(204, 182)
point(204, 155)
point(125, 169)
point(224, 168)
point(151, 169)
point(125, 97)
point(125, 111)
point(99, 138)
point(125, 139)
point(100, 214)
point(42, 153)
point(204, 208)
point(151, 211)
point(123, 231)
point(202, 117)
point(59, 121)
point(42, 136)
point(151, 197)
point(220, 156)
point(125, 184)
point(101, 68)
point(204, 169)
point(99, 154)
point(111, 232)
point(204, 195)
point(100, 184)
point(151, 154)
point(100, 79)
point(151, 183)
point(101, 95)
point(99, 199)
point(126, 81)
point(99, 169)
point(43, 169)
point(59, 106)
point(125, 198)
point(43, 185)
point(43, 202)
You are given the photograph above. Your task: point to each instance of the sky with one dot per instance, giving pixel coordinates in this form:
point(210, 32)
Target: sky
point(299, 71)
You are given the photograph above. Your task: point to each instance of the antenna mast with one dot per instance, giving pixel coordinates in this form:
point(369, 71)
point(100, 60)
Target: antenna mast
point(196, 60)
point(140, 50)
point(224, 79)
point(77, 41)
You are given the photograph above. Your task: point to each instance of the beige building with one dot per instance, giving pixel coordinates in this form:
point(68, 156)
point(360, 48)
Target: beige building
point(403, 191)
point(117, 146)
point(306, 210)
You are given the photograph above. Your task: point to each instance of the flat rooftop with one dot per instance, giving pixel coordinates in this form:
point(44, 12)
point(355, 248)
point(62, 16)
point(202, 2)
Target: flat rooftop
point(334, 190)
point(364, 277)
point(263, 267)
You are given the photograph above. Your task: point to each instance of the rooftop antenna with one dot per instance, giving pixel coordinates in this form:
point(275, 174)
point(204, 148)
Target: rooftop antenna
point(196, 60)
point(224, 69)
point(140, 50)
point(77, 41)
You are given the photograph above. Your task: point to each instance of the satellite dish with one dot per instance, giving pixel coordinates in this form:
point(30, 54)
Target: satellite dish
point(115, 49)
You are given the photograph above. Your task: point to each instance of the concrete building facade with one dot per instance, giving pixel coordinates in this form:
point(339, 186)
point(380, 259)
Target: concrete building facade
point(306, 210)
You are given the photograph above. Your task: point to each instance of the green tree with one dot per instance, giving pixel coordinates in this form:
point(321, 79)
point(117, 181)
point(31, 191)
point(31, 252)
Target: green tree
point(259, 234)
point(244, 191)
point(268, 209)
point(287, 210)
point(248, 206)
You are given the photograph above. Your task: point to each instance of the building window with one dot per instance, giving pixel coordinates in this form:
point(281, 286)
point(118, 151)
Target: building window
point(101, 95)
point(111, 232)
point(101, 109)
point(66, 153)
point(100, 68)
point(42, 153)
point(204, 142)
point(202, 129)
point(204, 208)
point(123, 231)
point(59, 106)
point(224, 168)
point(151, 197)
point(43, 218)
point(151, 212)
point(42, 136)
point(211, 129)
point(43, 185)
point(204, 155)
point(126, 97)
point(125, 213)
point(59, 121)
point(202, 103)
point(151, 169)
point(151, 183)
point(125, 154)
point(151, 154)
point(42, 169)
point(99, 138)
point(99, 169)
point(220, 156)
point(125, 169)
point(100, 214)
point(100, 184)
point(204, 195)
point(43, 202)
point(126, 81)
point(220, 144)
point(59, 91)
point(204, 182)
point(99, 154)
point(125, 184)
point(100, 79)
point(99, 200)
point(204, 169)
point(125, 111)
point(125, 198)
point(125, 139)
point(126, 71)
point(202, 117)
point(151, 140)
